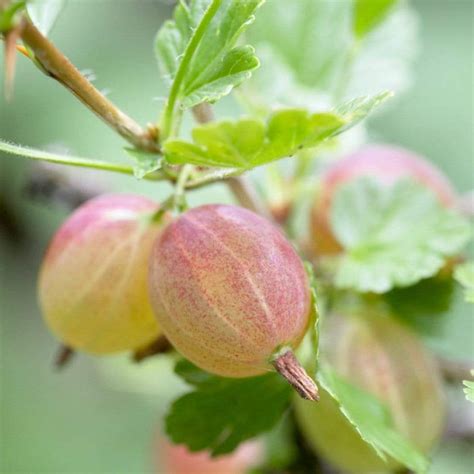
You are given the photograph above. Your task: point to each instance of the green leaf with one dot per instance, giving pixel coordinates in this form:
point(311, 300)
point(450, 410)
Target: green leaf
point(357, 109)
point(332, 64)
point(175, 34)
point(220, 413)
point(469, 388)
point(368, 14)
point(392, 235)
point(464, 274)
point(43, 13)
point(145, 163)
point(247, 143)
point(372, 421)
point(423, 305)
point(310, 36)
point(213, 64)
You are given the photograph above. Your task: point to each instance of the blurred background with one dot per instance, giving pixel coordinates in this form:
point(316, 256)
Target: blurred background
point(103, 416)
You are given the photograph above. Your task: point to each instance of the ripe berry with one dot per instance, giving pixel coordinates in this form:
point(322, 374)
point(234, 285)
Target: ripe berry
point(231, 293)
point(93, 281)
point(177, 459)
point(381, 356)
point(384, 163)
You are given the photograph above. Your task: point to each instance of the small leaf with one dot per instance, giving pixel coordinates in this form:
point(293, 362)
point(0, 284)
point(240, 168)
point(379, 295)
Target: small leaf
point(145, 163)
point(469, 388)
point(372, 421)
point(222, 412)
point(216, 65)
point(332, 61)
point(357, 109)
point(248, 143)
point(392, 235)
point(44, 13)
point(368, 14)
point(464, 274)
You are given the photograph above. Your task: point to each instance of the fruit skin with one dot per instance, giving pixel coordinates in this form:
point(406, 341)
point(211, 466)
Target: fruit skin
point(93, 287)
point(228, 290)
point(177, 459)
point(386, 164)
point(379, 355)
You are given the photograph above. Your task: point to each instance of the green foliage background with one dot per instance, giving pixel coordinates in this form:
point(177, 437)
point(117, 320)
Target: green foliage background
point(88, 419)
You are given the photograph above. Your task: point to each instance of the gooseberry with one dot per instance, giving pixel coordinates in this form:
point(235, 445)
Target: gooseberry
point(384, 163)
point(93, 287)
point(381, 356)
point(231, 293)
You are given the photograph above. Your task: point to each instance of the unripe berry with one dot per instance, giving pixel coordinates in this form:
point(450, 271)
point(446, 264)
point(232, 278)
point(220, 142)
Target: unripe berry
point(384, 163)
point(381, 356)
point(93, 282)
point(177, 459)
point(229, 291)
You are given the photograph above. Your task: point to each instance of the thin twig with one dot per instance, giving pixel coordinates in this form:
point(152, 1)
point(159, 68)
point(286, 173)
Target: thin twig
point(246, 194)
point(57, 66)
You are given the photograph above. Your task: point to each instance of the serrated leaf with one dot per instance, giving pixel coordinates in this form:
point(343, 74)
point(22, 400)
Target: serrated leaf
point(464, 274)
point(332, 62)
point(368, 14)
point(220, 413)
point(372, 421)
point(247, 143)
point(423, 305)
point(216, 65)
point(393, 236)
point(44, 13)
point(469, 388)
point(145, 163)
point(357, 109)
point(175, 34)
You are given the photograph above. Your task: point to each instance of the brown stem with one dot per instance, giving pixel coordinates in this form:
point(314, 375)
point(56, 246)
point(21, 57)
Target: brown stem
point(160, 345)
point(287, 365)
point(247, 195)
point(56, 65)
point(63, 356)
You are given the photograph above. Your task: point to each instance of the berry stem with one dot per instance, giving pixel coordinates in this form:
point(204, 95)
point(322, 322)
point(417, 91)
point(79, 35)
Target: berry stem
point(63, 356)
point(160, 345)
point(287, 365)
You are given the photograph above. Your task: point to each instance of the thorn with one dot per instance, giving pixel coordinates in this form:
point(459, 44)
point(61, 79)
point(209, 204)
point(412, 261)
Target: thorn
point(10, 60)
